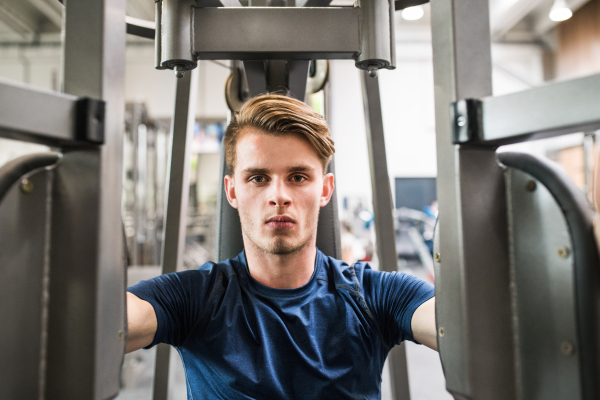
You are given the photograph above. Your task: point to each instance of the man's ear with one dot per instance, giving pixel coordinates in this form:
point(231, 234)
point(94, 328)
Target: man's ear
point(328, 186)
point(230, 191)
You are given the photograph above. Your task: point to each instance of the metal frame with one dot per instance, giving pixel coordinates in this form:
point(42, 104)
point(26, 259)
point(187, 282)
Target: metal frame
point(230, 33)
point(83, 293)
point(532, 114)
point(487, 323)
point(87, 322)
point(384, 219)
point(186, 33)
point(83, 342)
point(59, 118)
point(182, 131)
point(472, 278)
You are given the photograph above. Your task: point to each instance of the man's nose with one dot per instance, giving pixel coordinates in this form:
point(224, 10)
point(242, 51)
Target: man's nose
point(279, 195)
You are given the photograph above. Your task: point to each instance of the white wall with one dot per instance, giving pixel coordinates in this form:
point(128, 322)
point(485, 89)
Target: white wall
point(408, 108)
point(157, 87)
point(408, 118)
point(41, 66)
point(346, 116)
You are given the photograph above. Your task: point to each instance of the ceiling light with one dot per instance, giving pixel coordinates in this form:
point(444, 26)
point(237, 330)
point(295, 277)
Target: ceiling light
point(560, 11)
point(413, 13)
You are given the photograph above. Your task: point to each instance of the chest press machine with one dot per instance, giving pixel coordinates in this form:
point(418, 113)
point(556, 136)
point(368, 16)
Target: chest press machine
point(517, 280)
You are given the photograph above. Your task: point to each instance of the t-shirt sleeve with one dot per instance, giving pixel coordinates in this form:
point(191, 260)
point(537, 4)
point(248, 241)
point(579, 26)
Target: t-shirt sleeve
point(393, 298)
point(178, 300)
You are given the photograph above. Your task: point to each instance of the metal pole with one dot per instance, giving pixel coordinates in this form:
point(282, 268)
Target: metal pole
point(384, 219)
point(135, 139)
point(182, 131)
point(86, 335)
point(472, 270)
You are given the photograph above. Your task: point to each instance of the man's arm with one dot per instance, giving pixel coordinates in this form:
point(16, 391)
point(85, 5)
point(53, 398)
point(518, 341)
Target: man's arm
point(141, 323)
point(423, 324)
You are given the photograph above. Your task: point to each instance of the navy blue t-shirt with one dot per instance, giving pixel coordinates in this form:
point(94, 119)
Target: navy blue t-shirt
point(239, 339)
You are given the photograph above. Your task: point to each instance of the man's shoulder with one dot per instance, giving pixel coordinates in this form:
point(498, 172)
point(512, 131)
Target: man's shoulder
point(228, 267)
point(206, 274)
point(361, 274)
point(347, 274)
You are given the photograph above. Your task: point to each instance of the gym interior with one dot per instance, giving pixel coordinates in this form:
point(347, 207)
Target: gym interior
point(486, 114)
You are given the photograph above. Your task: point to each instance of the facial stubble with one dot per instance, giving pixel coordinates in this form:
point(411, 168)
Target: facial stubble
point(279, 244)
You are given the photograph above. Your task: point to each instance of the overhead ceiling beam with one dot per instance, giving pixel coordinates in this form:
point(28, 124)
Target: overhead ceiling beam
point(143, 9)
point(52, 11)
point(20, 21)
point(508, 13)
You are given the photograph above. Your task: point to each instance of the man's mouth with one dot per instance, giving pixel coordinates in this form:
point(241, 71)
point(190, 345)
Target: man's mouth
point(280, 222)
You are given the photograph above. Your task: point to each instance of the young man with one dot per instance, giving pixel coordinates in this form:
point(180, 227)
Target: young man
point(281, 320)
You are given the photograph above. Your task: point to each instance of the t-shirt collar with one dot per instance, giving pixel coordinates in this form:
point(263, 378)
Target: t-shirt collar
point(269, 291)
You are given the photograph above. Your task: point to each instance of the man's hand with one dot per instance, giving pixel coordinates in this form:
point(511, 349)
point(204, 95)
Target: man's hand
point(423, 324)
point(141, 323)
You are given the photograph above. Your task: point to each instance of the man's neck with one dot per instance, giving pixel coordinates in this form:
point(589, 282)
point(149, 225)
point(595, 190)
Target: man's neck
point(287, 271)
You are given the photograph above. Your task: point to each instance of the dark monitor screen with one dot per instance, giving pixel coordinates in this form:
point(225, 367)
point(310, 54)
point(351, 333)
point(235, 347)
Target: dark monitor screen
point(415, 193)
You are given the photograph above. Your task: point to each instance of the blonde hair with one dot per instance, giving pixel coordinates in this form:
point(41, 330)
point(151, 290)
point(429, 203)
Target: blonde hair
point(275, 114)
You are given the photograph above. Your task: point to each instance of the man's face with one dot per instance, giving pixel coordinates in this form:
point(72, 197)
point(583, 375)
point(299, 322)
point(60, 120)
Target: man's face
point(278, 188)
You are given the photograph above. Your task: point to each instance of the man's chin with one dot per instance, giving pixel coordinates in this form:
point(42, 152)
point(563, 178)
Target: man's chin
point(282, 248)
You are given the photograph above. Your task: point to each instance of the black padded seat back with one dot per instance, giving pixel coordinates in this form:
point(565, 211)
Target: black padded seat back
point(579, 217)
point(229, 230)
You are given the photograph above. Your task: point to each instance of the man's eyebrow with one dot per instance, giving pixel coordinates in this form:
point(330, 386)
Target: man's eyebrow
point(262, 171)
point(300, 168)
point(253, 171)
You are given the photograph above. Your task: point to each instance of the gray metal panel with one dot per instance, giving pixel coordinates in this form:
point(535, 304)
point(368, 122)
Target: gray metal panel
point(74, 243)
point(182, 132)
point(383, 207)
point(473, 300)
point(578, 214)
point(556, 109)
point(24, 267)
point(543, 292)
point(260, 33)
point(36, 115)
point(86, 337)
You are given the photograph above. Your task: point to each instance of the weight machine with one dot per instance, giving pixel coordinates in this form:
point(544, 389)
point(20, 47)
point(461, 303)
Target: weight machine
point(504, 217)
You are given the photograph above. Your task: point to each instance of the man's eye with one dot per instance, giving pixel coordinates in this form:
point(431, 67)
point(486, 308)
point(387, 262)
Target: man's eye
point(298, 178)
point(258, 179)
